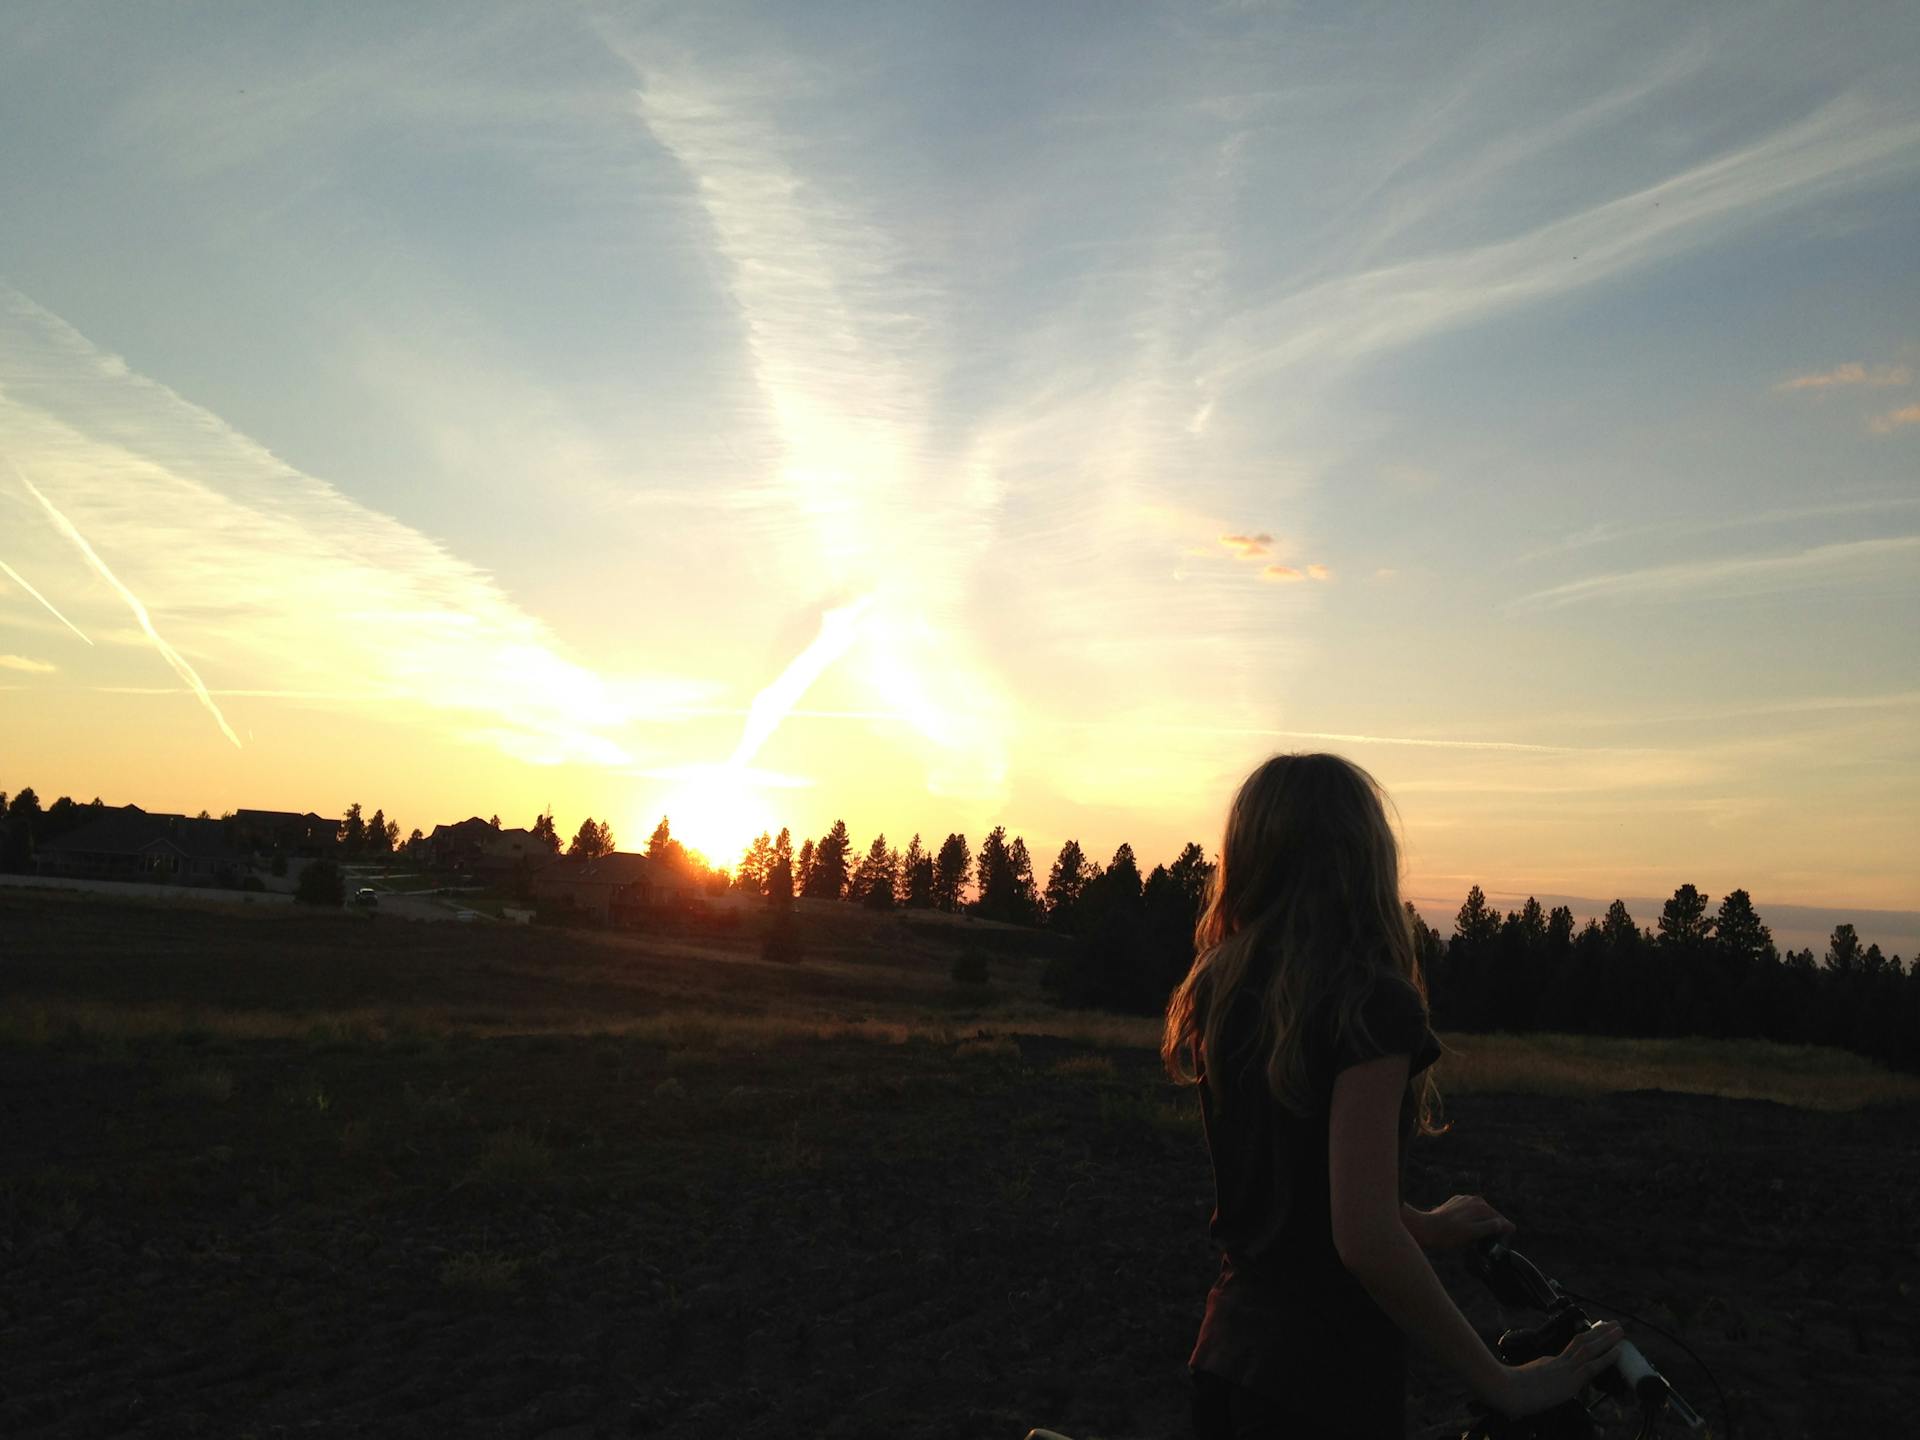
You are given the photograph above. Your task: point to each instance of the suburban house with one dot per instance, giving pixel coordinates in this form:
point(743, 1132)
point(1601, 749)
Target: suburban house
point(507, 852)
point(458, 846)
point(284, 832)
point(616, 889)
point(132, 844)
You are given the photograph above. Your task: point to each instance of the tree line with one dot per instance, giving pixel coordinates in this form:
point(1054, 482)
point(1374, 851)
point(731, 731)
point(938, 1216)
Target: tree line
point(1700, 970)
point(1126, 937)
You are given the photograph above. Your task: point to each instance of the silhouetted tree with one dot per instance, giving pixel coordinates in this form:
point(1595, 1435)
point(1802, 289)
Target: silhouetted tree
point(664, 850)
point(872, 883)
point(353, 831)
point(593, 840)
point(916, 877)
point(827, 876)
point(994, 867)
point(1026, 897)
point(1843, 951)
point(803, 868)
point(1065, 883)
point(543, 830)
point(756, 863)
point(494, 821)
point(380, 834)
point(952, 869)
point(23, 814)
point(780, 873)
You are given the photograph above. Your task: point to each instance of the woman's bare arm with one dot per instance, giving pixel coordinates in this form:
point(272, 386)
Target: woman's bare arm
point(1374, 1243)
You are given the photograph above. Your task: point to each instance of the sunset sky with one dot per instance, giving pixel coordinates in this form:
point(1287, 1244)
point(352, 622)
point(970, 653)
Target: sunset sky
point(936, 416)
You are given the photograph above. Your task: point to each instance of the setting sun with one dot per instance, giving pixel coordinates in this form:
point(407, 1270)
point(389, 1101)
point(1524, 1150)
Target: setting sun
point(716, 810)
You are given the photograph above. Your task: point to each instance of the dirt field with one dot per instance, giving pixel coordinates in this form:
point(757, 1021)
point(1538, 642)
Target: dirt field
point(267, 1174)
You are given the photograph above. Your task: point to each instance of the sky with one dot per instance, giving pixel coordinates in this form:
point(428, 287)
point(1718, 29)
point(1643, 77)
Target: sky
point(944, 416)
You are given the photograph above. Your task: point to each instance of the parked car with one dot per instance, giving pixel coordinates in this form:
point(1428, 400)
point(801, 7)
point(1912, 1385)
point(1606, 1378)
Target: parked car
point(466, 917)
point(367, 896)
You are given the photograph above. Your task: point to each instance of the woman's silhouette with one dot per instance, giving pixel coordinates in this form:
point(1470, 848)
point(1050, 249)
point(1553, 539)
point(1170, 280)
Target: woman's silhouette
point(1304, 1024)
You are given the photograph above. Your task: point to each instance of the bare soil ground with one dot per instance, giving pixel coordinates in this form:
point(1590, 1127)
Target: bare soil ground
point(276, 1174)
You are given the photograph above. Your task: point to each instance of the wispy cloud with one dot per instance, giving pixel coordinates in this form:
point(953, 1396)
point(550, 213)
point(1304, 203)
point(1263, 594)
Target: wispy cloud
point(15, 576)
point(284, 579)
point(1245, 547)
point(1281, 574)
point(1319, 572)
point(1608, 533)
point(1848, 141)
point(1821, 565)
point(1896, 419)
point(172, 656)
point(31, 666)
point(1852, 373)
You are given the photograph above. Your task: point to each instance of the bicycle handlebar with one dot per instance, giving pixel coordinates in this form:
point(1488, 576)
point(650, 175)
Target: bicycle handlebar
point(1516, 1280)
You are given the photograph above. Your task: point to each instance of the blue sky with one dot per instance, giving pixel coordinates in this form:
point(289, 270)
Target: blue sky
point(486, 405)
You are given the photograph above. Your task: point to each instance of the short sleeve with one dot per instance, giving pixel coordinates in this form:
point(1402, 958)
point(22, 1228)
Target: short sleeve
point(1394, 1022)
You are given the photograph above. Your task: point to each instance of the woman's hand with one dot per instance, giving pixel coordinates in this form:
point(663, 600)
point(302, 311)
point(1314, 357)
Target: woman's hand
point(1542, 1384)
point(1457, 1223)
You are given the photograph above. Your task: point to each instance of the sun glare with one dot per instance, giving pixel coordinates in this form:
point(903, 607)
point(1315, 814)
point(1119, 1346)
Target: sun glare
point(717, 810)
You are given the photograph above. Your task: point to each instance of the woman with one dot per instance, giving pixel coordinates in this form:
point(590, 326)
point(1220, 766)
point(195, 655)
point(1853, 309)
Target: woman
point(1304, 1024)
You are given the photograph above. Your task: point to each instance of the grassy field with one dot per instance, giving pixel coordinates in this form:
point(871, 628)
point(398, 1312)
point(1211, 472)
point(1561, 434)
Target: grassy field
point(262, 1171)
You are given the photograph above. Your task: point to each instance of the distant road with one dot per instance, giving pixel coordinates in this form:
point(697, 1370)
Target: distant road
point(406, 907)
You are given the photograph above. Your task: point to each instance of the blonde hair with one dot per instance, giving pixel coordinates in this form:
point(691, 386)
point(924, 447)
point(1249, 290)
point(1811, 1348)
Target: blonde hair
point(1303, 917)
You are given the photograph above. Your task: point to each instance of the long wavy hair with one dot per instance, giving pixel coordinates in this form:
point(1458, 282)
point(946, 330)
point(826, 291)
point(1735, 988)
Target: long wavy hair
point(1303, 917)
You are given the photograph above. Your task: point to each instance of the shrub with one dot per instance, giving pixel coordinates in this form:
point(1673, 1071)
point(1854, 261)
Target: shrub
point(782, 943)
point(970, 967)
point(320, 884)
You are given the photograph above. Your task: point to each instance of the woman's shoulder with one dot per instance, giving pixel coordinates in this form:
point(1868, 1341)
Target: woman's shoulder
point(1389, 1017)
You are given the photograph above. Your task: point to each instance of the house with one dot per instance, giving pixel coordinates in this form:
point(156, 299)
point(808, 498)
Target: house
point(133, 844)
point(502, 853)
point(284, 832)
point(619, 888)
point(457, 846)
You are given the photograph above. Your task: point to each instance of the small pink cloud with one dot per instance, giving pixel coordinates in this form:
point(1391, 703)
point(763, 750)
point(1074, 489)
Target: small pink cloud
point(1852, 373)
point(1895, 419)
point(1282, 574)
point(1246, 547)
point(1319, 572)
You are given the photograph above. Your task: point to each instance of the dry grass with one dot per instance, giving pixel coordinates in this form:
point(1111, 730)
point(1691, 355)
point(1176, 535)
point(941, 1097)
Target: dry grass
point(1810, 1077)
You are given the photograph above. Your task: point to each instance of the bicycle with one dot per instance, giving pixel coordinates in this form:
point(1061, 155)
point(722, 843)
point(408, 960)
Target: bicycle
point(1516, 1280)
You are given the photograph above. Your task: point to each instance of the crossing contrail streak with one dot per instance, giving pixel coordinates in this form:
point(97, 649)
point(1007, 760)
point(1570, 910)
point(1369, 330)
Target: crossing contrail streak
point(773, 704)
point(168, 653)
point(21, 580)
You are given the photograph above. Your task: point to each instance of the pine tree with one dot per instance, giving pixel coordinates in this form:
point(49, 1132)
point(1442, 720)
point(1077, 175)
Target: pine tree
point(872, 883)
point(379, 836)
point(1065, 883)
point(353, 830)
point(827, 877)
point(1026, 895)
point(952, 869)
point(803, 869)
point(1738, 933)
point(779, 886)
point(544, 831)
point(592, 840)
point(995, 869)
point(756, 865)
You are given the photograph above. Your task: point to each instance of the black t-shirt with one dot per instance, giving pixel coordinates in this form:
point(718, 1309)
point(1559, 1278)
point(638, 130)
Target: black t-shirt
point(1285, 1318)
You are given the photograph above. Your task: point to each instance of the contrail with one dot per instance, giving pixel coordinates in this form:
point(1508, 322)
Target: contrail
point(172, 656)
point(21, 581)
point(773, 704)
